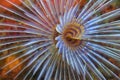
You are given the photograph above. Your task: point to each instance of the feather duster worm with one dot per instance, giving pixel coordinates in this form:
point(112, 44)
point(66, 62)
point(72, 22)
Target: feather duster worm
point(60, 40)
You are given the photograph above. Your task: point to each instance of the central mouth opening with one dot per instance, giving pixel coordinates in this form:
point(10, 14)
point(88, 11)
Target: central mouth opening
point(72, 34)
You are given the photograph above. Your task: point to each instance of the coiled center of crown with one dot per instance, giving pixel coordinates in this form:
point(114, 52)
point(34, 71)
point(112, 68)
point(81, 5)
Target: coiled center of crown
point(72, 34)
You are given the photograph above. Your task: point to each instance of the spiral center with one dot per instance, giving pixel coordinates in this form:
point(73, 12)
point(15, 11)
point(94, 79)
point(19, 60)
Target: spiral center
point(72, 34)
